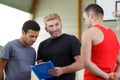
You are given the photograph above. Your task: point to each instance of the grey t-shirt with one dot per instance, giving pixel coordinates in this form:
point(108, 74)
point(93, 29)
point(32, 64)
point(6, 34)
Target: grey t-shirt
point(20, 58)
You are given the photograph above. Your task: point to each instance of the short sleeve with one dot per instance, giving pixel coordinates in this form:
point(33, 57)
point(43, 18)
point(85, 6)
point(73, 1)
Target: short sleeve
point(39, 52)
point(75, 46)
point(6, 51)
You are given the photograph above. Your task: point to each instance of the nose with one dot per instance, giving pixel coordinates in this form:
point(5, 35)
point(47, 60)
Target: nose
point(34, 39)
point(54, 28)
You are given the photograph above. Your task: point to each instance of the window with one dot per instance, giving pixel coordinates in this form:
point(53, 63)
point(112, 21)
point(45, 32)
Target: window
point(108, 8)
point(11, 21)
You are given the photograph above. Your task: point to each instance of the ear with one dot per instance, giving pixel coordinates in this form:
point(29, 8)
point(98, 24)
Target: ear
point(23, 32)
point(91, 15)
point(61, 24)
point(46, 29)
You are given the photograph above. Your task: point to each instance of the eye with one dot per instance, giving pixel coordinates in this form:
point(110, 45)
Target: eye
point(33, 36)
point(56, 24)
point(84, 19)
point(50, 25)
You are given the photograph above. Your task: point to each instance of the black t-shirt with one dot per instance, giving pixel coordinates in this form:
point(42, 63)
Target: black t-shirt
point(60, 51)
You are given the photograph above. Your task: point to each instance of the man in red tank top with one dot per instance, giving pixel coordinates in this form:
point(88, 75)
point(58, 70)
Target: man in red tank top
point(100, 47)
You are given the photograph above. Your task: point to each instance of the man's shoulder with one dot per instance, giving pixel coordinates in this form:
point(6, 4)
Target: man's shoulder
point(69, 35)
point(46, 40)
point(11, 42)
point(90, 33)
point(91, 30)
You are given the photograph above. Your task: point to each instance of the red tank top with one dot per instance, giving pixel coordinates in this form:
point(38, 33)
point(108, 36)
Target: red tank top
point(104, 55)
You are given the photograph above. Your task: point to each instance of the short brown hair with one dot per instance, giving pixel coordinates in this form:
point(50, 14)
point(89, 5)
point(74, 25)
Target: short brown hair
point(51, 17)
point(97, 9)
point(30, 24)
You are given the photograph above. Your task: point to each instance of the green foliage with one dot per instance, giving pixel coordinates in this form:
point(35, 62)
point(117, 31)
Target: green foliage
point(1, 48)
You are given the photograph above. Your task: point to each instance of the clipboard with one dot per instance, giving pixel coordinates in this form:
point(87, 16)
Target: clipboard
point(41, 70)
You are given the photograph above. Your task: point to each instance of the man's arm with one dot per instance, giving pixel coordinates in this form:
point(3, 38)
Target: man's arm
point(39, 61)
point(77, 65)
point(3, 63)
point(118, 64)
point(116, 75)
point(68, 69)
point(87, 42)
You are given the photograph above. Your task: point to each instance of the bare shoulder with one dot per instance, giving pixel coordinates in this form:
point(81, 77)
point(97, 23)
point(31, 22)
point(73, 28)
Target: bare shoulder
point(93, 34)
point(89, 32)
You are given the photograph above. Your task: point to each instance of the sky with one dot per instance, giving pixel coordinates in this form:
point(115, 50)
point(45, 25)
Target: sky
point(11, 21)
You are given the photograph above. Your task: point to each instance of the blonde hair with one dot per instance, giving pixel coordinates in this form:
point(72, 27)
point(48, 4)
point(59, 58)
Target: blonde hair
point(51, 17)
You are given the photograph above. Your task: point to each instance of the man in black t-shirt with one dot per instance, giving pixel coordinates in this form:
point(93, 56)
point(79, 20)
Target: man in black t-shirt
point(62, 49)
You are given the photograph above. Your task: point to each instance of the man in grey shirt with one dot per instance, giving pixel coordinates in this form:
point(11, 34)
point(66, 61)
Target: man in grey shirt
point(17, 56)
